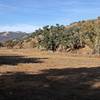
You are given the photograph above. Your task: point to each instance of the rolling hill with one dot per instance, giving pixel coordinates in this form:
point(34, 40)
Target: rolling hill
point(69, 38)
point(5, 36)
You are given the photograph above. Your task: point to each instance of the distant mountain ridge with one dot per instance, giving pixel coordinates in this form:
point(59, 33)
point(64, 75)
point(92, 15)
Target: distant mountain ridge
point(5, 36)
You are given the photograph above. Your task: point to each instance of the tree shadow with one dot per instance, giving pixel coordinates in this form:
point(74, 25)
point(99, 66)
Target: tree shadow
point(14, 60)
point(53, 84)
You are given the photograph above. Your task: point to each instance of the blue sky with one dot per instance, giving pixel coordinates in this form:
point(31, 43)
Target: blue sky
point(28, 15)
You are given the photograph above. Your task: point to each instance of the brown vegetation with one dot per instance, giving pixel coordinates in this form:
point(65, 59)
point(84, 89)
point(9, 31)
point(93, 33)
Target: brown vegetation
point(29, 74)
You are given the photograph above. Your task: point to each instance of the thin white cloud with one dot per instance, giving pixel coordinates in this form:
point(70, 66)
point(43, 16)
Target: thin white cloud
point(22, 27)
point(5, 7)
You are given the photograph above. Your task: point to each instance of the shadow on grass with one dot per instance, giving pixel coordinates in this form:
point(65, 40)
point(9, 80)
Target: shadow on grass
point(14, 60)
point(53, 84)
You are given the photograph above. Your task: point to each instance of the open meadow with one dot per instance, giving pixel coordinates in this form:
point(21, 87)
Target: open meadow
point(34, 61)
point(29, 74)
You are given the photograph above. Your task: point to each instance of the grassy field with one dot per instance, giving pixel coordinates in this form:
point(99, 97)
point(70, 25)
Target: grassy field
point(30, 60)
point(28, 74)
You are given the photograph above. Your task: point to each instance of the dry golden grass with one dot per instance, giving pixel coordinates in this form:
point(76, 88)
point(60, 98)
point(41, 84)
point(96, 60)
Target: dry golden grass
point(28, 74)
point(47, 60)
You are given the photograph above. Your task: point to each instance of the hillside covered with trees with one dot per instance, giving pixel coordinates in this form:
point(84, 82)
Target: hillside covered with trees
point(65, 38)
